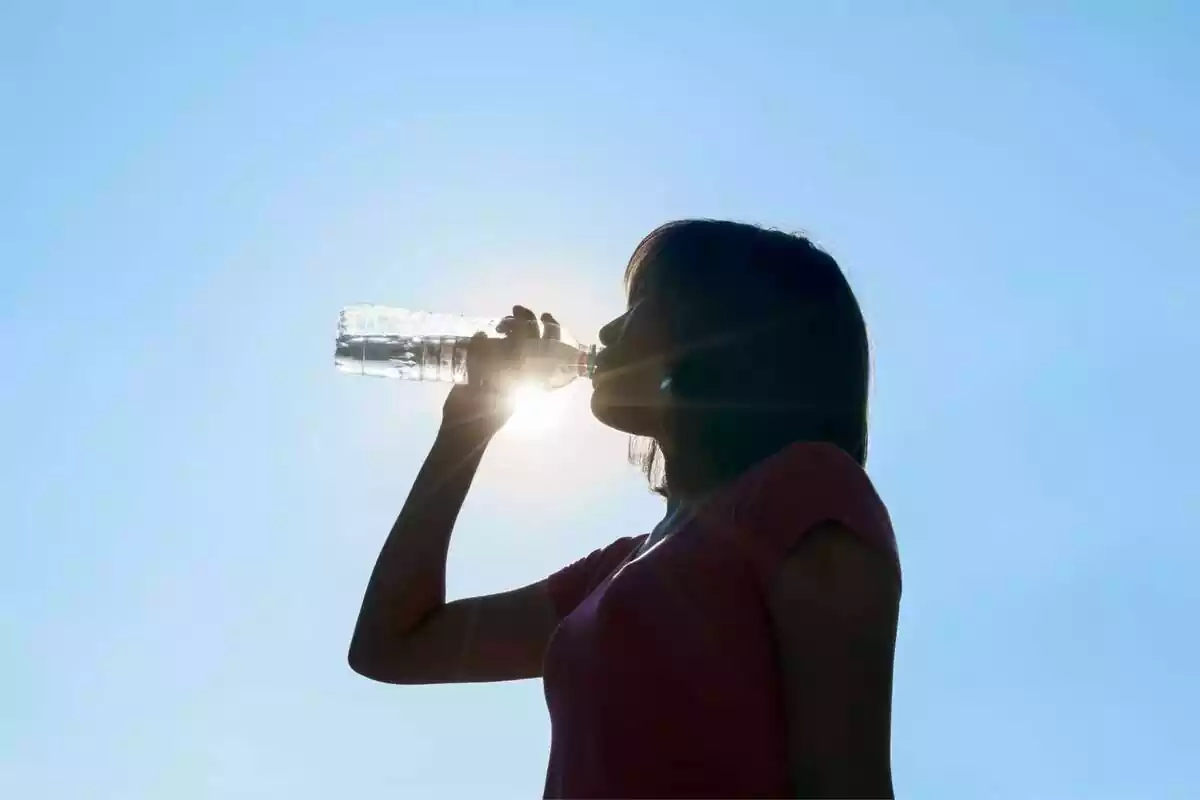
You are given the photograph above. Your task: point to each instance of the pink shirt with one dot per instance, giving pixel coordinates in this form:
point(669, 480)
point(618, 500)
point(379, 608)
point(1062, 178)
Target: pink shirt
point(661, 678)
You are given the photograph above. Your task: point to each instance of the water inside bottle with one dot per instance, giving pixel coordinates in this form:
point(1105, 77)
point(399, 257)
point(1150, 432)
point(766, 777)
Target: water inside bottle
point(410, 358)
point(395, 343)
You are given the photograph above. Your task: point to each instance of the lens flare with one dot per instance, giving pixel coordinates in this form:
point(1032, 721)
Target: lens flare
point(536, 410)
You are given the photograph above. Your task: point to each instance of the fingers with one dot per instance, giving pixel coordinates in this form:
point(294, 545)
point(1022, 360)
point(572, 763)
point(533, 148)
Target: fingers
point(551, 330)
point(479, 361)
point(518, 329)
point(522, 324)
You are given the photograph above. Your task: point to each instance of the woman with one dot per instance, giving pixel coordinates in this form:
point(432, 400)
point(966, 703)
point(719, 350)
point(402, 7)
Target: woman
point(744, 648)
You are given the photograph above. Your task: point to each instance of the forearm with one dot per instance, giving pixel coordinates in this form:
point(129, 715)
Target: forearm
point(409, 579)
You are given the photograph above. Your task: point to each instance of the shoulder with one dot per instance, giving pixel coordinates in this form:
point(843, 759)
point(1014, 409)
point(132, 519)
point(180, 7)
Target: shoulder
point(831, 569)
point(806, 485)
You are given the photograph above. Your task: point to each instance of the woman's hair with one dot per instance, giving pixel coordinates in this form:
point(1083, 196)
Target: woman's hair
point(769, 342)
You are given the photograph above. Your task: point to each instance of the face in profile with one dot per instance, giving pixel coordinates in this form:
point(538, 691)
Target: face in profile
point(630, 371)
point(709, 298)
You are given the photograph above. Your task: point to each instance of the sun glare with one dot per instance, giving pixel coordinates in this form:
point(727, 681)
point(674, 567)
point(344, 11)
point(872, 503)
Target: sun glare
point(536, 409)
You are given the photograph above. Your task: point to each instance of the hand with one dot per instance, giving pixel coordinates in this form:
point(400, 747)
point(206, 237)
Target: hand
point(480, 407)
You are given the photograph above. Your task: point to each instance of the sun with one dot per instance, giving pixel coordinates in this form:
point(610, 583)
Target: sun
point(536, 410)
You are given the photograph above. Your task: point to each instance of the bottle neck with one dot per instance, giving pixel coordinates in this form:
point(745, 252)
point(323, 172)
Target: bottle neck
point(586, 365)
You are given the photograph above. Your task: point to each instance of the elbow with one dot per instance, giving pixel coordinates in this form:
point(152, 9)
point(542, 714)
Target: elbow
point(360, 662)
point(383, 665)
point(368, 660)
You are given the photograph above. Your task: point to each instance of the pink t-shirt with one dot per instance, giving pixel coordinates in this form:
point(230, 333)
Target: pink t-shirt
point(661, 678)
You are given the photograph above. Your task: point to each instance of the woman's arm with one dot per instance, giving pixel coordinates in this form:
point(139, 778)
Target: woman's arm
point(406, 631)
point(834, 604)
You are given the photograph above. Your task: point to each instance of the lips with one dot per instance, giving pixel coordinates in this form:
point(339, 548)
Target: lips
point(603, 366)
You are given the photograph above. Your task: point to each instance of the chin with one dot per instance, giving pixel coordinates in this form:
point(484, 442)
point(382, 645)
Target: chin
point(621, 413)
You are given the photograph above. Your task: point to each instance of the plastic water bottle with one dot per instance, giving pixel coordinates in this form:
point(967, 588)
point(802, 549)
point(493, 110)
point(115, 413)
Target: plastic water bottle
point(385, 342)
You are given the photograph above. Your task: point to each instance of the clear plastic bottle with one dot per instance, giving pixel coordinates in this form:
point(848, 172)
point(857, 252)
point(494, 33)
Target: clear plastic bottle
point(388, 342)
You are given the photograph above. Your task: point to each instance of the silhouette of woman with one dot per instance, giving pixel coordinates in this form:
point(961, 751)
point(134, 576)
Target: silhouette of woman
point(743, 648)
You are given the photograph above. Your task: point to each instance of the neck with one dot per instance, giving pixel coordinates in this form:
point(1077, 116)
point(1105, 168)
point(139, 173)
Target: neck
point(690, 478)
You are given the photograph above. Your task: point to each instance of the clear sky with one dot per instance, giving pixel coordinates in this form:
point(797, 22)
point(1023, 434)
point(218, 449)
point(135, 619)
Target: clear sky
point(192, 498)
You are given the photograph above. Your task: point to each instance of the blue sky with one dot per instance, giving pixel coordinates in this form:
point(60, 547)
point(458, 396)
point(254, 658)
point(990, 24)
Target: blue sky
point(192, 498)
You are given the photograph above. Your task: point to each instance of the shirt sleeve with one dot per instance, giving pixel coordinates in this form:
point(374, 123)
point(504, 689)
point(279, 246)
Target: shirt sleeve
point(570, 585)
point(802, 487)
